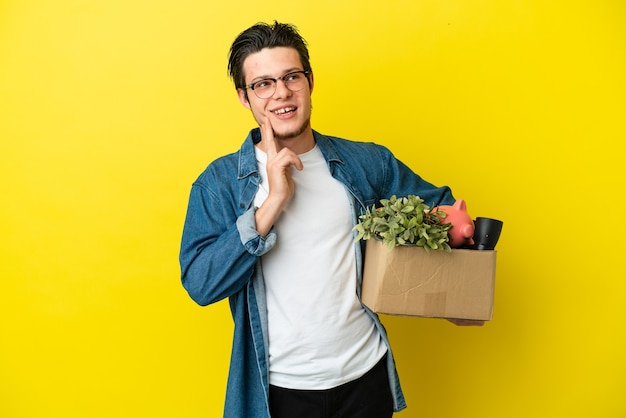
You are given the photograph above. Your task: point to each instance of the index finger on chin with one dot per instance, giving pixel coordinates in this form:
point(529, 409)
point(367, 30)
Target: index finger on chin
point(267, 135)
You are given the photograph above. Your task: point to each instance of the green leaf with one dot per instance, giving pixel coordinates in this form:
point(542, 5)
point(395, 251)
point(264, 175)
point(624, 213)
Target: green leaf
point(402, 221)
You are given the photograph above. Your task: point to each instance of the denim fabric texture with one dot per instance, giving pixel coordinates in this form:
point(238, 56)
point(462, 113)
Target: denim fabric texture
point(220, 249)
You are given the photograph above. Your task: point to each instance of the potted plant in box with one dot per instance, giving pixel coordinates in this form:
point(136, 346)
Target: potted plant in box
point(405, 221)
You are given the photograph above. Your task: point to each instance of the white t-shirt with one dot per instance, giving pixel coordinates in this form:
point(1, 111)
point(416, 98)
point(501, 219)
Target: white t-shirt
point(319, 335)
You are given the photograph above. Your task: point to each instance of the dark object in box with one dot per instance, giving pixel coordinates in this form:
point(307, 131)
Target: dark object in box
point(439, 284)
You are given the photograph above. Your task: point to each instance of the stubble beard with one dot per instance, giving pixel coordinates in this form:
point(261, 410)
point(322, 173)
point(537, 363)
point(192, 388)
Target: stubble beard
point(293, 134)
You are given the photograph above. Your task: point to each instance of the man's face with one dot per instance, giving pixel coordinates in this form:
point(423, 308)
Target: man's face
point(289, 112)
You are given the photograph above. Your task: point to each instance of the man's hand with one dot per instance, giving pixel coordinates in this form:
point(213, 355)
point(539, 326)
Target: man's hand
point(279, 162)
point(467, 322)
point(281, 185)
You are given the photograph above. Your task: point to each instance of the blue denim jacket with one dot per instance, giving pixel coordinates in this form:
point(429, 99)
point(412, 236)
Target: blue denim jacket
point(221, 249)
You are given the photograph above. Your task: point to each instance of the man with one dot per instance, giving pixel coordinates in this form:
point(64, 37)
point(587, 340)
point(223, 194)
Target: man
point(270, 228)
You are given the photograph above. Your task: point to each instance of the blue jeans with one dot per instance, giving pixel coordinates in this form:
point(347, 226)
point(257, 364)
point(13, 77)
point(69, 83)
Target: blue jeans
point(366, 397)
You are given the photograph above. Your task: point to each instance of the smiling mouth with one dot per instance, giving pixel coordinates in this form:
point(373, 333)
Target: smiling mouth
point(284, 110)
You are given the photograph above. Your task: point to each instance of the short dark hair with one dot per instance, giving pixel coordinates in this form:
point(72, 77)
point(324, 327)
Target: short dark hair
point(260, 36)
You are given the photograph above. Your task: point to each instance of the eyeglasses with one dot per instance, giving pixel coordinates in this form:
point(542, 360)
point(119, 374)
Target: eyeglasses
point(294, 81)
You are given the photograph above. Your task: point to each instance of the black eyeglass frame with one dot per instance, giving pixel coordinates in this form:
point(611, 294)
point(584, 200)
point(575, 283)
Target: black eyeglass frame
point(275, 80)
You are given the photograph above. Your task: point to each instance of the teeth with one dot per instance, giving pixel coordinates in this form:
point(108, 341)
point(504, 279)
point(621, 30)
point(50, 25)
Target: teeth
point(284, 110)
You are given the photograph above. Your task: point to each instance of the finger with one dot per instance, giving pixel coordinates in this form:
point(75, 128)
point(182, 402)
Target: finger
point(297, 163)
point(285, 158)
point(467, 322)
point(267, 136)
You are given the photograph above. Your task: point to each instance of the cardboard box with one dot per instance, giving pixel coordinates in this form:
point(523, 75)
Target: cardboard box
point(438, 284)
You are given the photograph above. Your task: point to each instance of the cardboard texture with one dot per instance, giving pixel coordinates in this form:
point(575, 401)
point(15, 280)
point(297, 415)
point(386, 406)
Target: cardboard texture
point(437, 284)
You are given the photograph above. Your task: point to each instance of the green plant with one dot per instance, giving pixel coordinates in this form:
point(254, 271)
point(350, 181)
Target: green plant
point(405, 221)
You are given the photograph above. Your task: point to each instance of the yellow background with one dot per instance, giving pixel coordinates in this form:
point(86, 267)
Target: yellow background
point(110, 109)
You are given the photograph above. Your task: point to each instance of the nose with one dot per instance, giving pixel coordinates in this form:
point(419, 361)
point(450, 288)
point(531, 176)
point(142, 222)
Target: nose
point(281, 89)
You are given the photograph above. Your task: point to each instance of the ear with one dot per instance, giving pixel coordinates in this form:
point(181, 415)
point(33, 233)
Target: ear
point(243, 98)
point(311, 82)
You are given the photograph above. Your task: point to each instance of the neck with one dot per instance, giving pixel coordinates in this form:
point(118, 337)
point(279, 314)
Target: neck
point(298, 144)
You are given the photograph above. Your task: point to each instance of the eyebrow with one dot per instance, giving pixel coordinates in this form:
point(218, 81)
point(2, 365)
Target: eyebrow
point(266, 77)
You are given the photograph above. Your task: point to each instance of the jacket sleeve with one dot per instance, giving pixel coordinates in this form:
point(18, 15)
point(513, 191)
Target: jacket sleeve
point(218, 248)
